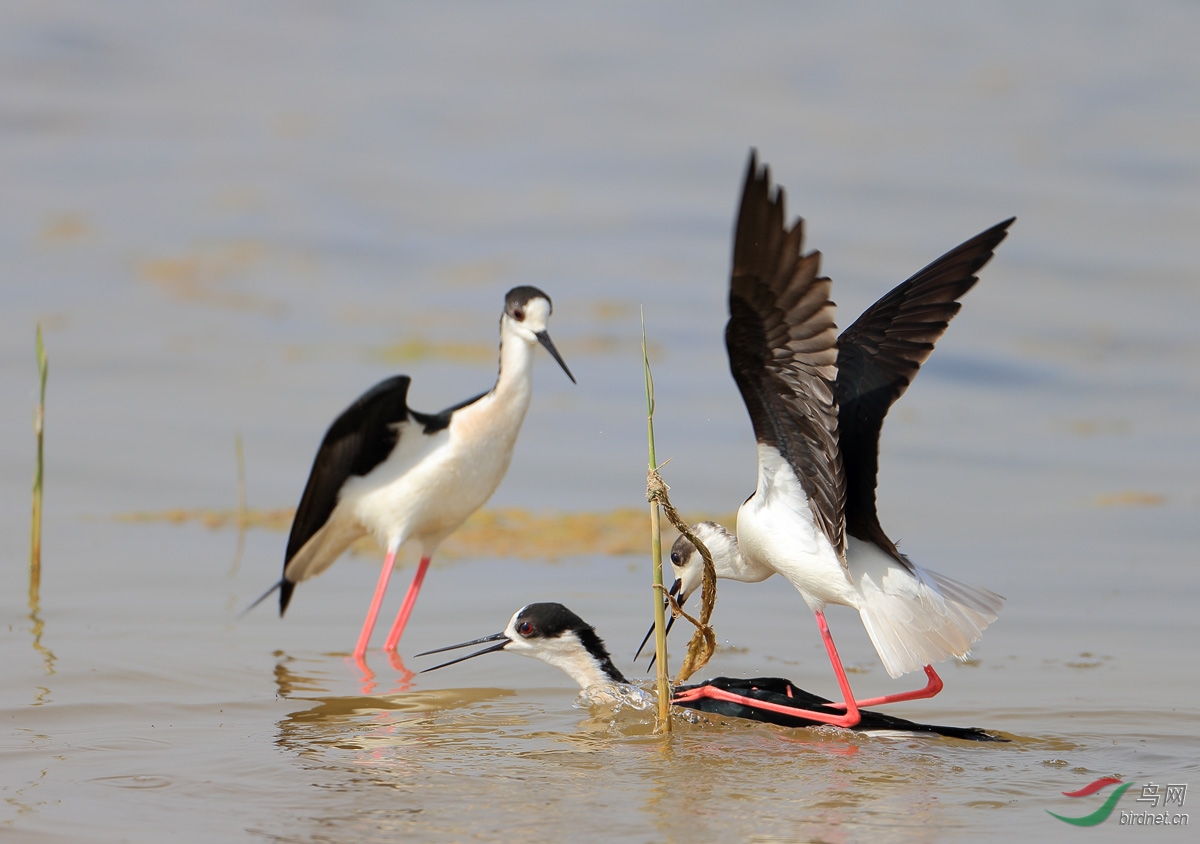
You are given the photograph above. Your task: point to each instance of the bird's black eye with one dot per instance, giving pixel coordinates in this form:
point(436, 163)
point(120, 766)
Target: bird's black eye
point(525, 628)
point(675, 557)
point(519, 314)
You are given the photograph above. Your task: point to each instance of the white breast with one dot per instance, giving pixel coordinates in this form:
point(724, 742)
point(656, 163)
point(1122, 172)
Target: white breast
point(776, 529)
point(431, 484)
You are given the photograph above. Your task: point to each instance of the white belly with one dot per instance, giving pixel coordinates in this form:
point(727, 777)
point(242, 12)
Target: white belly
point(431, 484)
point(776, 529)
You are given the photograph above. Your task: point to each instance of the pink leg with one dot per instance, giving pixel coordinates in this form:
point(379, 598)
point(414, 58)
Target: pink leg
point(369, 622)
point(811, 714)
point(851, 705)
point(850, 719)
point(930, 689)
point(406, 608)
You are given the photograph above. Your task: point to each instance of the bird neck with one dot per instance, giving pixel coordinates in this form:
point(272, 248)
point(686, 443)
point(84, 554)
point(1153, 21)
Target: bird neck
point(584, 658)
point(727, 556)
point(514, 383)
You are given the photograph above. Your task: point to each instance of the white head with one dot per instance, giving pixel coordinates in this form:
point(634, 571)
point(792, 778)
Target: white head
point(526, 315)
point(688, 565)
point(555, 635)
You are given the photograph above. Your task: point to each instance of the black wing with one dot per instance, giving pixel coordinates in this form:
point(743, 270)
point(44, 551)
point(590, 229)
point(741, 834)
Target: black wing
point(357, 441)
point(878, 357)
point(782, 347)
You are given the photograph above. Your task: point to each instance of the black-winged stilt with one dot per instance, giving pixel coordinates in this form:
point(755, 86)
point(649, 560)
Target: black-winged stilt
point(817, 403)
point(400, 475)
point(552, 633)
point(878, 357)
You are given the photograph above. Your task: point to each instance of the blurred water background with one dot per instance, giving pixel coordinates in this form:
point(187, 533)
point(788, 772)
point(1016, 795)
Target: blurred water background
point(230, 219)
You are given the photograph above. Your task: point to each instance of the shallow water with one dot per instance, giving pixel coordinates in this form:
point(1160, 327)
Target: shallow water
point(230, 221)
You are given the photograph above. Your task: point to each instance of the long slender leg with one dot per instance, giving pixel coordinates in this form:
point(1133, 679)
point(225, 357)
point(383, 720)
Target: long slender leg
point(850, 719)
point(376, 601)
point(851, 705)
point(931, 688)
point(406, 608)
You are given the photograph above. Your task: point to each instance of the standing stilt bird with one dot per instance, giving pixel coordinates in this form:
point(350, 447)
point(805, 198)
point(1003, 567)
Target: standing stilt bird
point(817, 403)
point(400, 475)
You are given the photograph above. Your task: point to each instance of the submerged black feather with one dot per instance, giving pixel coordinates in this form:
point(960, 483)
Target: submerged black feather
point(780, 692)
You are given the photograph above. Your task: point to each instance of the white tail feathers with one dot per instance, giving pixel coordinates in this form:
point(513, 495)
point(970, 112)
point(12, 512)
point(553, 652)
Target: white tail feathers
point(922, 620)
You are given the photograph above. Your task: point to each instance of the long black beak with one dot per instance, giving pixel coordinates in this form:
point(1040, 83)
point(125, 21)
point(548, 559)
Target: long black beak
point(670, 623)
point(544, 339)
point(494, 637)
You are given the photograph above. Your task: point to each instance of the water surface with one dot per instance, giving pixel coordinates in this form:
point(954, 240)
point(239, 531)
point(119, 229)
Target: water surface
point(232, 220)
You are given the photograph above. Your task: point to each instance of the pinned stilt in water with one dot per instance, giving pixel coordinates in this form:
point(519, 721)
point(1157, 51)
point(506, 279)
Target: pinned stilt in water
point(555, 635)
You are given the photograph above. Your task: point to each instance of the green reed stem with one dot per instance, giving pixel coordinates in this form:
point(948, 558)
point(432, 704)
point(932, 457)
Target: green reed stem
point(35, 545)
point(660, 621)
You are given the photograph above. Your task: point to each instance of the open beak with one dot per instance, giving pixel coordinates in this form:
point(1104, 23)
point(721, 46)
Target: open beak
point(670, 622)
point(493, 638)
point(544, 339)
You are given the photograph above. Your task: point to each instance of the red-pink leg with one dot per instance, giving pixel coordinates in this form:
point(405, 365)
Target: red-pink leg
point(406, 608)
point(931, 688)
point(373, 612)
point(850, 719)
point(851, 705)
point(811, 714)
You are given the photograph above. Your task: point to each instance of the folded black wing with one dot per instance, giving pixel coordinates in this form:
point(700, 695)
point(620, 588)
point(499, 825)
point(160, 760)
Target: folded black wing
point(357, 441)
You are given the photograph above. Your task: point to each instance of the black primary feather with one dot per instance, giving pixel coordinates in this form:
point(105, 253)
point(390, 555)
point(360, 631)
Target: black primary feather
point(782, 344)
point(879, 356)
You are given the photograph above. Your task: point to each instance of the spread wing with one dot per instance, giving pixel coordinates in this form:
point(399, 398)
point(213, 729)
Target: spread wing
point(781, 339)
point(878, 357)
point(357, 441)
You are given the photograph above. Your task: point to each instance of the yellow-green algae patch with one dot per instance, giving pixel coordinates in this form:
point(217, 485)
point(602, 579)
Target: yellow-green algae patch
point(504, 532)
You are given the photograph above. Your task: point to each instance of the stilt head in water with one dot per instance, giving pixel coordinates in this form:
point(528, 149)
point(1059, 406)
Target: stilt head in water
point(552, 633)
